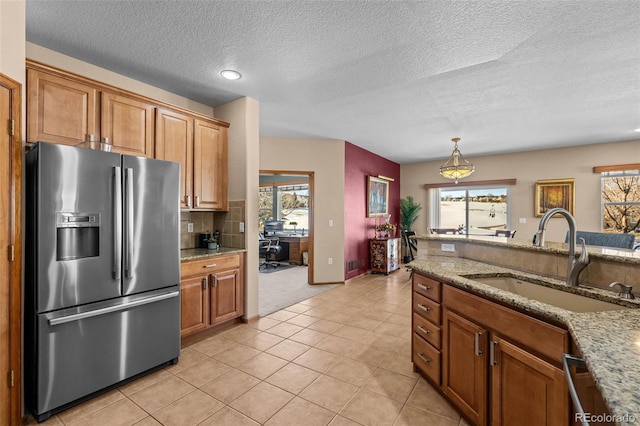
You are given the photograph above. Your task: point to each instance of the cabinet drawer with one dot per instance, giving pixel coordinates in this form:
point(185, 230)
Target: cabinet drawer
point(427, 330)
point(211, 264)
point(427, 287)
point(426, 358)
point(427, 308)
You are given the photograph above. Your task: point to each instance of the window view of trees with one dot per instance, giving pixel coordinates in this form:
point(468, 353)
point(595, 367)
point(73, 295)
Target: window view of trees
point(289, 203)
point(621, 202)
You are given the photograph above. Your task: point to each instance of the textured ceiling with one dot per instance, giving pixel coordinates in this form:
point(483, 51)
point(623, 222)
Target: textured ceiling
point(398, 78)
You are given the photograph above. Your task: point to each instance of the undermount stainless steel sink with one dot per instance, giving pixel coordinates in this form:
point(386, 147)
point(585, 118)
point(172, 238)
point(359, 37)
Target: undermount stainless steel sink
point(561, 299)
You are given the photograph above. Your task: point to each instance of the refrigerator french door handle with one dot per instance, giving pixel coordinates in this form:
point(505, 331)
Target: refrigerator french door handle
point(117, 219)
point(110, 309)
point(128, 178)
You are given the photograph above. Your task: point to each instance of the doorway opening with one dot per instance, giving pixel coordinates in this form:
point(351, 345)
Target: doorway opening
point(285, 215)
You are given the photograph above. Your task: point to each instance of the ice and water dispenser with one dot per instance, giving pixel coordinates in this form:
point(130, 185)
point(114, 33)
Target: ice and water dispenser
point(78, 235)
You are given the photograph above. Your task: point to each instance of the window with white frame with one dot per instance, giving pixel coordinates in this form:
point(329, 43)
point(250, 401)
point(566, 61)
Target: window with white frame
point(621, 201)
point(474, 210)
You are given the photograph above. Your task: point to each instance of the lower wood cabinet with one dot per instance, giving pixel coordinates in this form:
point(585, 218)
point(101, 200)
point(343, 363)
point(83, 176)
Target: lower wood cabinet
point(465, 365)
point(212, 292)
point(524, 388)
point(498, 366)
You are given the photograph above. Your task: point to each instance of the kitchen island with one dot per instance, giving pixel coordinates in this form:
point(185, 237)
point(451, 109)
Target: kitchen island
point(609, 341)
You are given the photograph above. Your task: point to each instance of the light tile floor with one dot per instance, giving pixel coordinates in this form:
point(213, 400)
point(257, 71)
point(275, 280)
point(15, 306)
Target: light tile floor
point(340, 358)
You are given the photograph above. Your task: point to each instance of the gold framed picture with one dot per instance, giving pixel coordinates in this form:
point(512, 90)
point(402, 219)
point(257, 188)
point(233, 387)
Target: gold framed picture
point(377, 197)
point(552, 193)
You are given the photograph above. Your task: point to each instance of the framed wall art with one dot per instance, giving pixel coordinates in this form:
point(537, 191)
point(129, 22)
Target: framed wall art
point(377, 197)
point(552, 193)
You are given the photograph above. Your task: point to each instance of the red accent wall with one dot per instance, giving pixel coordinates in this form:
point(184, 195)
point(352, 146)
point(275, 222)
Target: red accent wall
point(358, 228)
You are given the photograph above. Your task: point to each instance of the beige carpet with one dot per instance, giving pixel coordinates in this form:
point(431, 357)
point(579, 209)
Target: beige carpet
point(285, 288)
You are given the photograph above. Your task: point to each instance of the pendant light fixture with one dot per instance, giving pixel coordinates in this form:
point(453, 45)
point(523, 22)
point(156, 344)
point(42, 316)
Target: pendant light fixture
point(456, 166)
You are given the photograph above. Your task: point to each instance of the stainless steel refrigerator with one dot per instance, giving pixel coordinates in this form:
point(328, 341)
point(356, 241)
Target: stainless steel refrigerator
point(102, 272)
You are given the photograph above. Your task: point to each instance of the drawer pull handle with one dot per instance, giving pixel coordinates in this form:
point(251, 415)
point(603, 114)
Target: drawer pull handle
point(213, 265)
point(422, 357)
point(424, 308)
point(424, 287)
point(424, 330)
point(477, 342)
point(492, 353)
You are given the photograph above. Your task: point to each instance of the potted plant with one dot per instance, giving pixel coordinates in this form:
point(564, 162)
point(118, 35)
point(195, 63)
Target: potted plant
point(212, 244)
point(409, 211)
point(294, 224)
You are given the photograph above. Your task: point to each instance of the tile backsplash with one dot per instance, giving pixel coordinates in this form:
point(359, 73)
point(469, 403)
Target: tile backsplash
point(228, 223)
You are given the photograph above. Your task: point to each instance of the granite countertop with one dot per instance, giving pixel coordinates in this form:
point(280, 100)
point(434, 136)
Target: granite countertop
point(618, 255)
point(201, 253)
point(609, 341)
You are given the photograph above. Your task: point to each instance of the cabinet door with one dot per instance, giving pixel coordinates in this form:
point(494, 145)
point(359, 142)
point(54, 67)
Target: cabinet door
point(226, 296)
point(128, 123)
point(174, 142)
point(194, 304)
point(464, 375)
point(60, 110)
point(526, 389)
point(210, 166)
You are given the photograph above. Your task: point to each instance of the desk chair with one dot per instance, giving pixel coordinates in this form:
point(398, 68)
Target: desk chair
point(411, 246)
point(268, 248)
point(604, 239)
point(409, 243)
point(505, 233)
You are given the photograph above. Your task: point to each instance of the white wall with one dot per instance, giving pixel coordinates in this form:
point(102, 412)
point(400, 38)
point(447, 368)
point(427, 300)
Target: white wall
point(527, 168)
point(324, 157)
point(243, 114)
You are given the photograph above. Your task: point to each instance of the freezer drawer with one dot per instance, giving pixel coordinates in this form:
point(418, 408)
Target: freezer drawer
point(84, 350)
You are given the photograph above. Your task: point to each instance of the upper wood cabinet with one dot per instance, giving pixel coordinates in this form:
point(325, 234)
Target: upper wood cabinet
point(67, 111)
point(66, 108)
point(174, 142)
point(210, 166)
point(128, 123)
point(201, 148)
point(60, 110)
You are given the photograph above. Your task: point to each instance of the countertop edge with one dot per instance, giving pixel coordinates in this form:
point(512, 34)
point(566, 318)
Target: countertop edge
point(196, 254)
point(606, 253)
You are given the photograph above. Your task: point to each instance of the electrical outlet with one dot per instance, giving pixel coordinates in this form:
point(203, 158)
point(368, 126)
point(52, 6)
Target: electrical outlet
point(189, 227)
point(330, 222)
point(448, 247)
point(522, 220)
point(330, 260)
point(241, 227)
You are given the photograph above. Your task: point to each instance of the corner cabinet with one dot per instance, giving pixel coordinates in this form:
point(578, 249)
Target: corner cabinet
point(212, 292)
point(384, 254)
point(201, 148)
point(499, 366)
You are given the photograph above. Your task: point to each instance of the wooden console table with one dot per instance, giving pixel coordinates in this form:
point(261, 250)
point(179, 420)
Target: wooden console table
point(385, 254)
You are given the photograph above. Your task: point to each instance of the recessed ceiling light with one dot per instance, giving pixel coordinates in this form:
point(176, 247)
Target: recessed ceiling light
point(231, 74)
point(637, 130)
